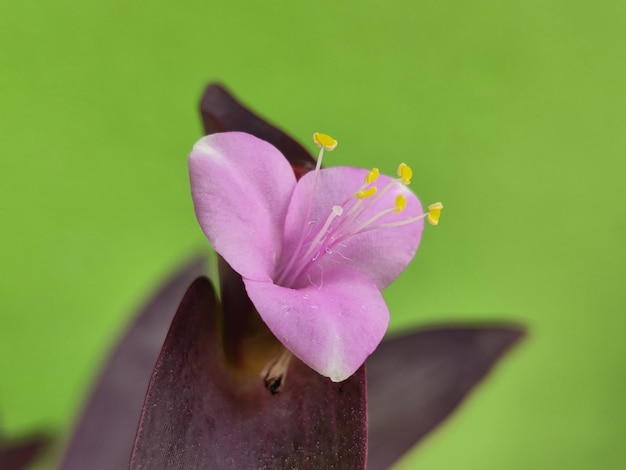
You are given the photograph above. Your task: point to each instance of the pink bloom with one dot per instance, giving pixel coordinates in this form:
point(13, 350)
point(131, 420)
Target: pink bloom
point(314, 254)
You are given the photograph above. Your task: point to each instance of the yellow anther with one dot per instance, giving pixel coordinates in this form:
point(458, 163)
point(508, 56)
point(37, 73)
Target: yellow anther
point(372, 175)
point(324, 140)
point(400, 203)
point(366, 193)
point(434, 212)
point(405, 173)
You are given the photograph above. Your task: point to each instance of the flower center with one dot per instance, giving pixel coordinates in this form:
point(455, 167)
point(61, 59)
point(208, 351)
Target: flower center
point(346, 220)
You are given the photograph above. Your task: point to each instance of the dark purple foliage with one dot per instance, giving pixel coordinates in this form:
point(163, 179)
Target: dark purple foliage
point(104, 435)
point(19, 454)
point(202, 413)
point(417, 379)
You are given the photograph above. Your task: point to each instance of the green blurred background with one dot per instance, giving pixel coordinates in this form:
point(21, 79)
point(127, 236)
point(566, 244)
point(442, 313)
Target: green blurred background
point(511, 113)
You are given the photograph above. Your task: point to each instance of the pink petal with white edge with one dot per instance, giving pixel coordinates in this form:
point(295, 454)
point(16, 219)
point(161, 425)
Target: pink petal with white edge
point(333, 327)
point(380, 253)
point(241, 187)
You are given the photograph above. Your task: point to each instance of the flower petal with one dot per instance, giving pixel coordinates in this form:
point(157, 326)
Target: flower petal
point(241, 187)
point(381, 253)
point(331, 327)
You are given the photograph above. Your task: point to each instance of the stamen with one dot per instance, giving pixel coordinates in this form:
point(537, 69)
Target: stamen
point(434, 212)
point(372, 175)
point(400, 203)
point(356, 210)
point(370, 221)
point(370, 178)
point(336, 212)
point(353, 213)
point(405, 173)
point(325, 141)
point(369, 192)
point(341, 223)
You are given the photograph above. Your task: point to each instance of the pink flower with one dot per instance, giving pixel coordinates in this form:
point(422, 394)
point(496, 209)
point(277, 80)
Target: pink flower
point(314, 254)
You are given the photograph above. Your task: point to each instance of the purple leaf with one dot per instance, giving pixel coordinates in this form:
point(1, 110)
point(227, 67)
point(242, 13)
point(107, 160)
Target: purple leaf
point(202, 413)
point(414, 381)
point(19, 454)
point(104, 435)
point(221, 112)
